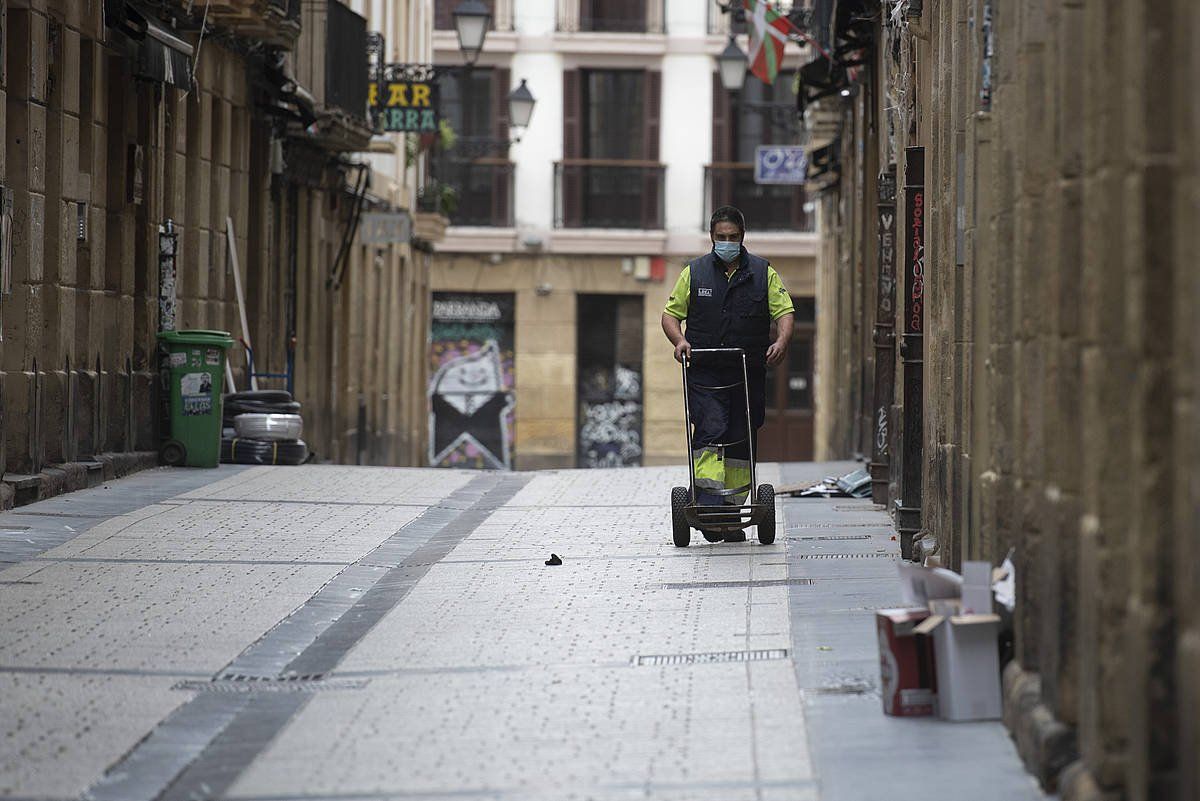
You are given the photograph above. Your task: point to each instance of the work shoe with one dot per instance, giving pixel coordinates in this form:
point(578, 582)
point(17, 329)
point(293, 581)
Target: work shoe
point(735, 536)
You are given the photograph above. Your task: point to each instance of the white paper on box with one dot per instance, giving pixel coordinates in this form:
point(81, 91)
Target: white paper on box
point(977, 588)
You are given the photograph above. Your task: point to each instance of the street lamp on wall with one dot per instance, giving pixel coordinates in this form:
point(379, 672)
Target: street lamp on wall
point(471, 21)
point(731, 65)
point(520, 106)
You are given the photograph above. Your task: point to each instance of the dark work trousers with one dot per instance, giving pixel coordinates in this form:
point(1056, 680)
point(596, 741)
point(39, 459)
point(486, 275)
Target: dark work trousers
point(719, 416)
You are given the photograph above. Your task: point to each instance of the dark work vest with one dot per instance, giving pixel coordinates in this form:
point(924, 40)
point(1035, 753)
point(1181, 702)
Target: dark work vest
point(729, 313)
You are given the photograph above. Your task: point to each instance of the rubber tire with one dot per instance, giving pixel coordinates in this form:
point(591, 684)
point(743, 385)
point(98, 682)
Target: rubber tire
point(261, 396)
point(681, 532)
point(173, 453)
point(766, 526)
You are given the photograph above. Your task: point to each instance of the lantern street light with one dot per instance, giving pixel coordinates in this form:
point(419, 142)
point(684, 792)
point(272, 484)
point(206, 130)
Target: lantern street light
point(520, 106)
point(471, 21)
point(731, 65)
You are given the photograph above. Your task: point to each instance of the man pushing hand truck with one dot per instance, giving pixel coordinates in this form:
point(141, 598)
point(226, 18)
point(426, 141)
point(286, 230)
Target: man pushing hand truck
point(728, 299)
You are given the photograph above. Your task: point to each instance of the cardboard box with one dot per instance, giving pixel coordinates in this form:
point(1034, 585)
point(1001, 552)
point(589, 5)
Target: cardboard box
point(906, 673)
point(976, 588)
point(967, 659)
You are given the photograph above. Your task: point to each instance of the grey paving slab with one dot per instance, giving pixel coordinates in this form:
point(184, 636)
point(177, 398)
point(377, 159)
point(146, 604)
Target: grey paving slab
point(860, 754)
point(209, 742)
point(61, 731)
point(102, 632)
point(29, 530)
point(498, 677)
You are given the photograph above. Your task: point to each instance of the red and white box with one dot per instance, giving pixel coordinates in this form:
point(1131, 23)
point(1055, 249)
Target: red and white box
point(906, 670)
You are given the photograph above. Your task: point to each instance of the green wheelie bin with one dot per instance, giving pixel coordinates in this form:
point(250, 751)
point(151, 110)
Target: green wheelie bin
point(195, 373)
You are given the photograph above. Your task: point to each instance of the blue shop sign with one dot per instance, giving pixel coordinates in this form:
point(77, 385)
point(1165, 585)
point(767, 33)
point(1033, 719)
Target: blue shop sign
point(780, 164)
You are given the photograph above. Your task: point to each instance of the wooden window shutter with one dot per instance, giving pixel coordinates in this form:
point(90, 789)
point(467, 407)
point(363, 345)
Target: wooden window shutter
point(652, 96)
point(443, 15)
point(652, 179)
point(502, 173)
point(572, 174)
point(722, 135)
point(720, 185)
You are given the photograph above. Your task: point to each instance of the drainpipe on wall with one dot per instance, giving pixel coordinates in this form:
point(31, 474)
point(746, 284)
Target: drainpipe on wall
point(168, 242)
point(908, 512)
point(885, 336)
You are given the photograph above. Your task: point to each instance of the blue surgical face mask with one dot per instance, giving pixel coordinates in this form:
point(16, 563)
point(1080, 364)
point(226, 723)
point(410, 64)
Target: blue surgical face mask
point(727, 251)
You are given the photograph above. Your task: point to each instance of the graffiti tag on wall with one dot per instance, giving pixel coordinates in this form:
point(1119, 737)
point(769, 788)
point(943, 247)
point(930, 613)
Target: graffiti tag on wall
point(471, 398)
point(610, 424)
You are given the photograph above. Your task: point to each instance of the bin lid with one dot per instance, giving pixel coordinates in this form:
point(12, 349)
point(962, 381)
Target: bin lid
point(197, 336)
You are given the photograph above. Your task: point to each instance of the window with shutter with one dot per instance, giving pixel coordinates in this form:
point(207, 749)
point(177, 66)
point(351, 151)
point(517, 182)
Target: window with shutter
point(610, 176)
point(756, 115)
point(475, 104)
point(443, 13)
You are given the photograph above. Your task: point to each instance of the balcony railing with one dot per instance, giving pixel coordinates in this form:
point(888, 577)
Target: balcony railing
point(596, 193)
point(611, 16)
point(483, 190)
point(768, 207)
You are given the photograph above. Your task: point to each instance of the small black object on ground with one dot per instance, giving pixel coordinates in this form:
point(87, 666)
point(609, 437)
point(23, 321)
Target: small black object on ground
point(553, 560)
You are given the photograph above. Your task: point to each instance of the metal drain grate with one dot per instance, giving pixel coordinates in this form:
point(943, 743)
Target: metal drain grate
point(838, 537)
point(710, 658)
point(258, 684)
point(712, 585)
point(847, 556)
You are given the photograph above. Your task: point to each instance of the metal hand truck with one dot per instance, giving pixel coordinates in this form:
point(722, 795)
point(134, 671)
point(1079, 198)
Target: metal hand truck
point(714, 521)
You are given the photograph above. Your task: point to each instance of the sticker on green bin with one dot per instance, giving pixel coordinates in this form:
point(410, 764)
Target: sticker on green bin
point(212, 357)
point(196, 391)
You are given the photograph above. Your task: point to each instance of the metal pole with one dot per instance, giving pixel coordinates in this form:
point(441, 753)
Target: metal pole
point(749, 428)
point(687, 430)
point(908, 511)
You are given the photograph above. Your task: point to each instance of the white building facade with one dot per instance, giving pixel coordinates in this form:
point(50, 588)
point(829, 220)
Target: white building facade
point(567, 243)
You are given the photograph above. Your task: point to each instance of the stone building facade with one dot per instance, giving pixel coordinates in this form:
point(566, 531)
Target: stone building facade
point(585, 223)
point(1057, 419)
point(122, 116)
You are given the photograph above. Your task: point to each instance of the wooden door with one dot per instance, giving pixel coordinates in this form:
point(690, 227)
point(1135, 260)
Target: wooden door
point(787, 433)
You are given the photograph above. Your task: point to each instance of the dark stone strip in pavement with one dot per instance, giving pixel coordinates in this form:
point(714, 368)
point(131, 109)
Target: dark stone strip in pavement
point(84, 671)
point(231, 729)
point(155, 762)
point(115, 560)
point(237, 745)
point(329, 648)
point(29, 531)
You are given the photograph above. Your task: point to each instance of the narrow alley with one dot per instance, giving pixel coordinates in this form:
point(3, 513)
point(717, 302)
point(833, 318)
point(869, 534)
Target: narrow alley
point(390, 633)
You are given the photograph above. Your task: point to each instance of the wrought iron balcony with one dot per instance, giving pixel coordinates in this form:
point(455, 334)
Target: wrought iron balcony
point(611, 16)
point(598, 193)
point(768, 207)
point(483, 190)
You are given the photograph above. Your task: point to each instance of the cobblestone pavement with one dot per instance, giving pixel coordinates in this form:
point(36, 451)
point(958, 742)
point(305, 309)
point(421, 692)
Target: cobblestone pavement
point(375, 633)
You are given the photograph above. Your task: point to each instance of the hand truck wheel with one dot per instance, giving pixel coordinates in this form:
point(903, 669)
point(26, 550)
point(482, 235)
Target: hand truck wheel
point(680, 530)
point(766, 524)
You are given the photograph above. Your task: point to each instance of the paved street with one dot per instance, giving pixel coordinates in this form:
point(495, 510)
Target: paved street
point(375, 633)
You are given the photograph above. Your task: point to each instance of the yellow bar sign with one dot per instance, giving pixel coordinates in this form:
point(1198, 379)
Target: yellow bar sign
point(404, 106)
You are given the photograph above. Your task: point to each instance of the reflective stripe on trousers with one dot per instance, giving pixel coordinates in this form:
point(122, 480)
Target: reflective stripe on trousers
point(717, 472)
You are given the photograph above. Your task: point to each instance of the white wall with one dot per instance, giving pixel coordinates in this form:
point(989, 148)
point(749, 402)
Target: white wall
point(542, 142)
point(686, 143)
